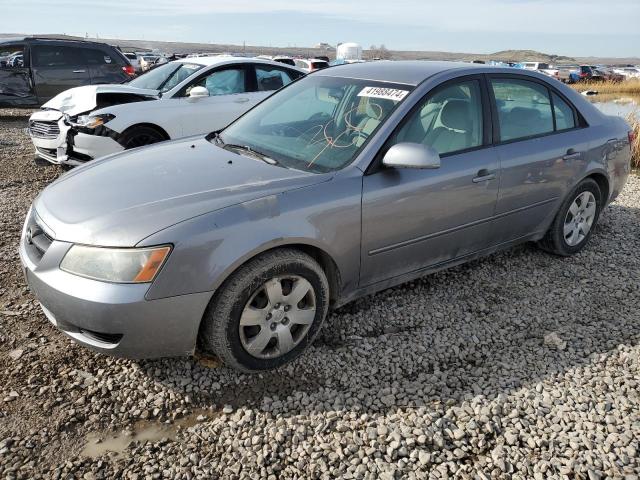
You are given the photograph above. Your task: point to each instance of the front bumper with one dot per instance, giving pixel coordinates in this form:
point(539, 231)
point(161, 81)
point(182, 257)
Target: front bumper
point(110, 318)
point(70, 147)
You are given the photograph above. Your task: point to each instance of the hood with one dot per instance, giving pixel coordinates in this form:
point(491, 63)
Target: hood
point(86, 98)
point(121, 199)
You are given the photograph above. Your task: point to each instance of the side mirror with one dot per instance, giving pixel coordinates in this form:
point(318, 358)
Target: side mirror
point(411, 155)
point(198, 92)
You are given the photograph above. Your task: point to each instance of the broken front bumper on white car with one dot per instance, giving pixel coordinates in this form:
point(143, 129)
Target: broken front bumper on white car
point(57, 142)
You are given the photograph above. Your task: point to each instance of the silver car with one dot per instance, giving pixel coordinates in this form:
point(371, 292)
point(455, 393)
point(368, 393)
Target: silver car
point(346, 182)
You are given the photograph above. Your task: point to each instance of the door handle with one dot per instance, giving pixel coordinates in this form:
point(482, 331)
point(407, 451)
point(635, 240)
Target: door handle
point(571, 154)
point(241, 100)
point(484, 175)
point(79, 71)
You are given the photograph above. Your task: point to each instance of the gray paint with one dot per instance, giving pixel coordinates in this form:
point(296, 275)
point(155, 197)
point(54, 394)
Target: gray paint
point(379, 228)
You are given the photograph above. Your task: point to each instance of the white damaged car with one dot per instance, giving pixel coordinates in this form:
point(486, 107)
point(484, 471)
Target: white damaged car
point(186, 97)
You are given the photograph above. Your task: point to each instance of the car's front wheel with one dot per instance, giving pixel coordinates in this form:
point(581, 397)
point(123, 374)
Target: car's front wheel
point(574, 222)
point(267, 312)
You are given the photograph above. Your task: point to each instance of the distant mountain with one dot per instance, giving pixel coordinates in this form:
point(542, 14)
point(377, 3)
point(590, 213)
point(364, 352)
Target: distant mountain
point(529, 55)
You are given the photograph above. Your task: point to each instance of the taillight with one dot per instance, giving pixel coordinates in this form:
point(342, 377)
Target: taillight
point(129, 70)
point(632, 136)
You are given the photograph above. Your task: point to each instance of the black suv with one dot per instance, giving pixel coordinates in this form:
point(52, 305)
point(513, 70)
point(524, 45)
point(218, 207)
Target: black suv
point(33, 70)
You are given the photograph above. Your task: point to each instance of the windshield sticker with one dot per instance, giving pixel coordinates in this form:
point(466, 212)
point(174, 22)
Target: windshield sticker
point(387, 93)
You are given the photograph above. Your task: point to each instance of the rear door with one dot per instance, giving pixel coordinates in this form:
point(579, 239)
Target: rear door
point(541, 149)
point(16, 87)
point(57, 68)
point(104, 65)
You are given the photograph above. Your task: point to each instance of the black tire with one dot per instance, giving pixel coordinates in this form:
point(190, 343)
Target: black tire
point(139, 136)
point(220, 329)
point(554, 240)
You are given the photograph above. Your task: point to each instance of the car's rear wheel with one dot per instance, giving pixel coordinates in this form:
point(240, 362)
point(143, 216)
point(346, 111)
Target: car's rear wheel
point(139, 136)
point(574, 223)
point(267, 312)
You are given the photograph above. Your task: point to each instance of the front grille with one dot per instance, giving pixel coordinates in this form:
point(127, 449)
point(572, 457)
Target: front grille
point(37, 238)
point(40, 129)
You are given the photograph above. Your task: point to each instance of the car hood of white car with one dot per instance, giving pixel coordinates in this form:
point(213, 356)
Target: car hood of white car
point(84, 99)
point(121, 199)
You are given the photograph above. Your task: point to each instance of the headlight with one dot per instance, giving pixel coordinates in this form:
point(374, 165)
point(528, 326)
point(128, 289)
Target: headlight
point(92, 121)
point(119, 265)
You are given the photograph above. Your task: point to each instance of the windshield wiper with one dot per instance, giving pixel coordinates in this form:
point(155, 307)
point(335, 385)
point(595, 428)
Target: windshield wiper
point(249, 150)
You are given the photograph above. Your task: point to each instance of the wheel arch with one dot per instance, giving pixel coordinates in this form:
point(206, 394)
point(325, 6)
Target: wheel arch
point(154, 126)
point(319, 254)
point(603, 183)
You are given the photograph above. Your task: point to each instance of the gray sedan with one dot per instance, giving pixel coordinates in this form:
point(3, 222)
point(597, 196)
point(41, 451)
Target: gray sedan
point(344, 183)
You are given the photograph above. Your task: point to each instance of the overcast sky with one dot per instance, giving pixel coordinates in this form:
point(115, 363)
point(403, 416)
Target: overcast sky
point(565, 27)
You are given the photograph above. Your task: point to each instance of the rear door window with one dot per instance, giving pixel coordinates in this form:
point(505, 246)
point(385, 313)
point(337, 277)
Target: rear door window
point(524, 108)
point(57, 56)
point(272, 78)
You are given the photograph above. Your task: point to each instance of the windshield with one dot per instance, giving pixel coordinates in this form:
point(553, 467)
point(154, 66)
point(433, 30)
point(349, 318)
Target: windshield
point(317, 124)
point(166, 77)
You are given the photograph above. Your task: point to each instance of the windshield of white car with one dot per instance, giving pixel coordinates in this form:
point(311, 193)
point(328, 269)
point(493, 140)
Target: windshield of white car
point(317, 124)
point(165, 77)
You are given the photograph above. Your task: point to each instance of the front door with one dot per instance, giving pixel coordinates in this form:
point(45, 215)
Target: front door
point(229, 97)
point(414, 219)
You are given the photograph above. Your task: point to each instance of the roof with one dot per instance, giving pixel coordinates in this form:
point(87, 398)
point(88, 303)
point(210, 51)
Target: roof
point(27, 38)
point(217, 59)
point(408, 72)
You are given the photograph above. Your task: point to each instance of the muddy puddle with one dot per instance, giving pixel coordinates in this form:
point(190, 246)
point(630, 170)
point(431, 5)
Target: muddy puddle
point(100, 443)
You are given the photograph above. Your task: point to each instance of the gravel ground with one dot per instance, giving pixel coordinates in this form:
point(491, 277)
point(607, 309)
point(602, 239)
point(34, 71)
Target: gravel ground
point(520, 365)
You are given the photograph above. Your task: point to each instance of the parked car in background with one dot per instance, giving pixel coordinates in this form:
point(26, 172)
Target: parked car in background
point(535, 66)
point(567, 73)
point(585, 73)
point(134, 60)
point(346, 182)
point(311, 64)
point(279, 58)
point(178, 99)
point(38, 69)
point(628, 72)
point(147, 61)
point(607, 74)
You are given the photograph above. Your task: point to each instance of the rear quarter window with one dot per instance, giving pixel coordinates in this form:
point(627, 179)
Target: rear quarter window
point(93, 56)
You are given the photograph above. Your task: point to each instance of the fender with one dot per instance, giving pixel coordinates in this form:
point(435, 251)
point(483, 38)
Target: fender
point(324, 218)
